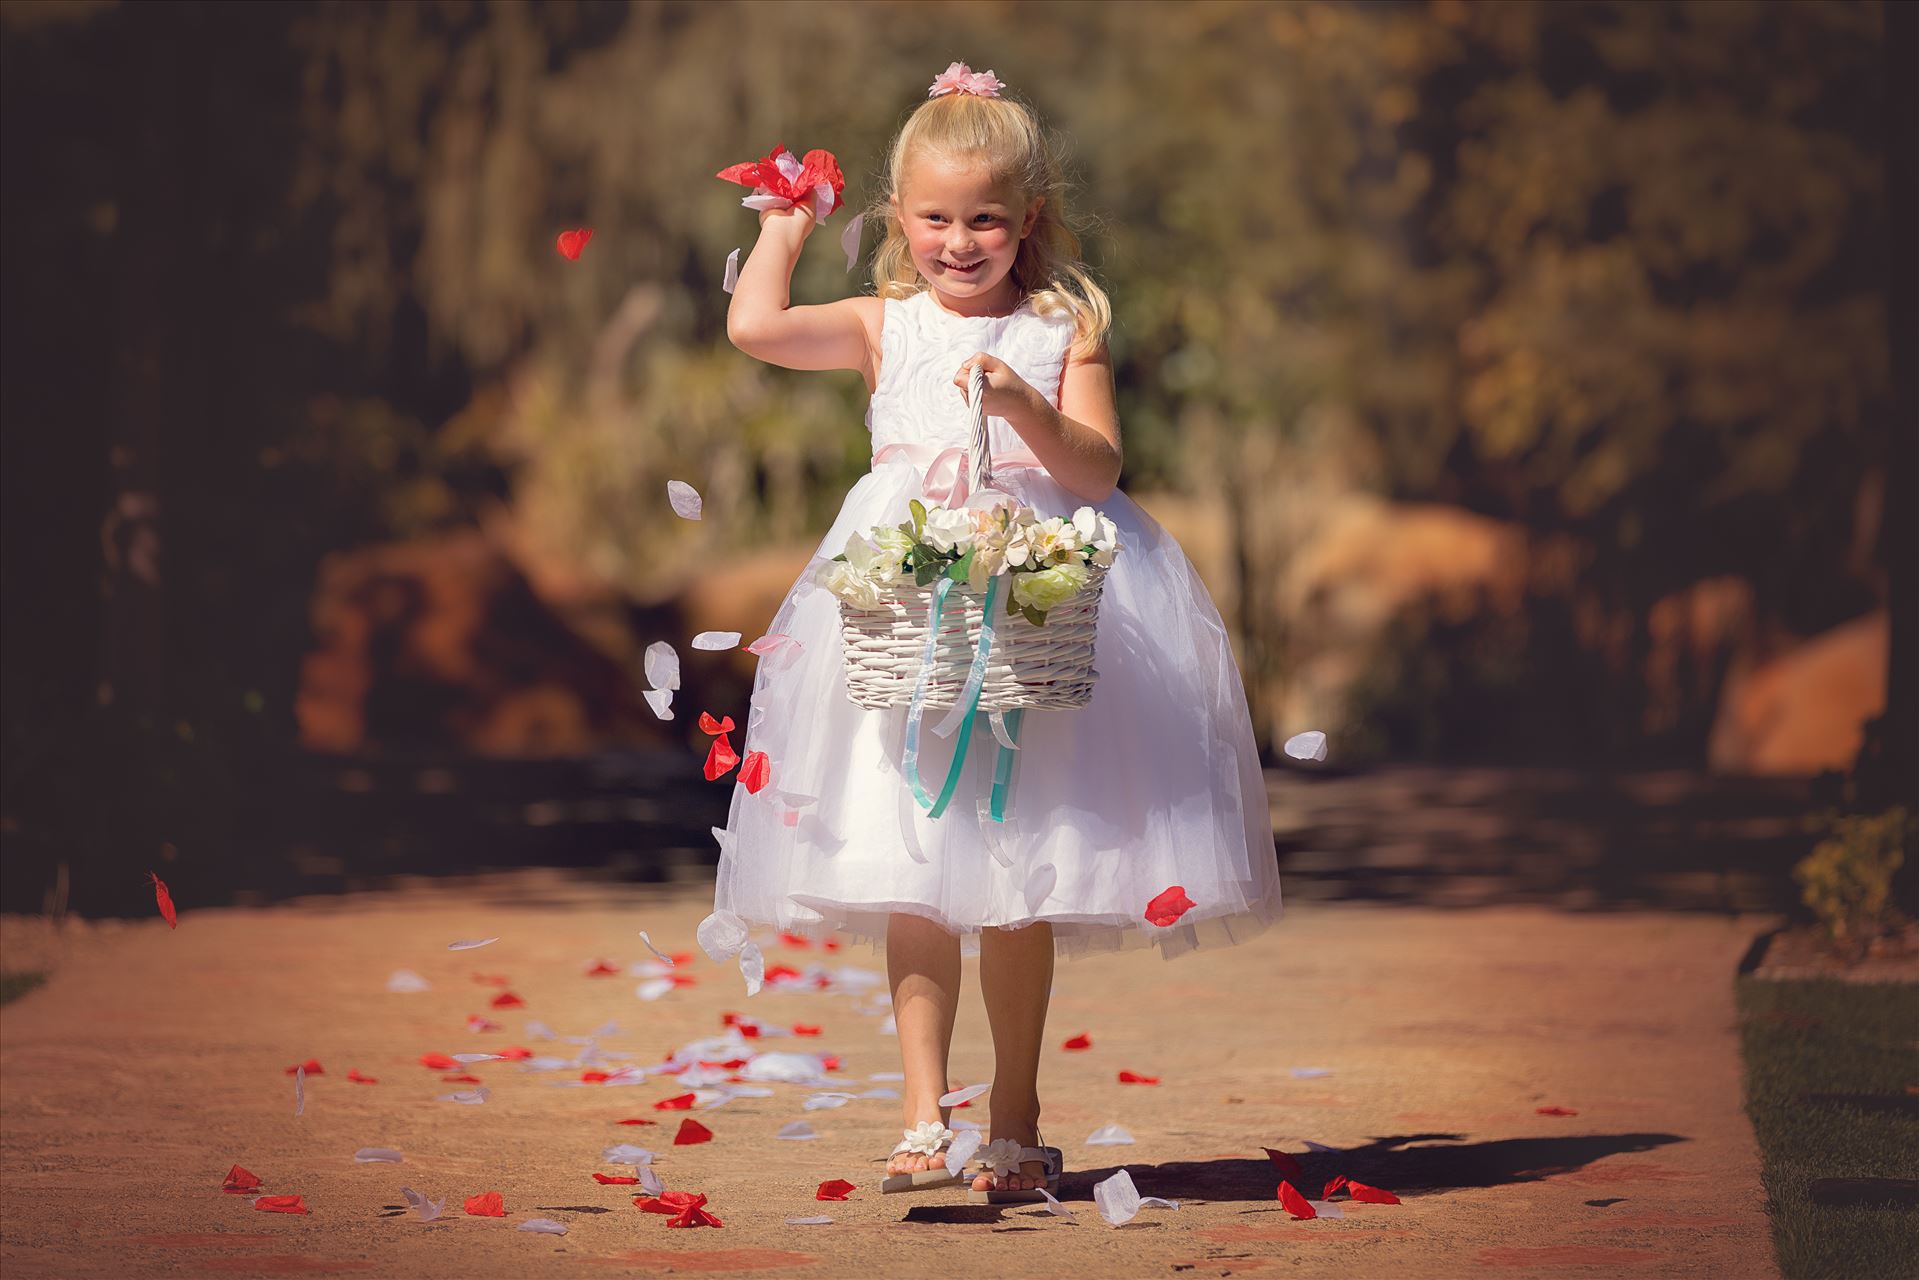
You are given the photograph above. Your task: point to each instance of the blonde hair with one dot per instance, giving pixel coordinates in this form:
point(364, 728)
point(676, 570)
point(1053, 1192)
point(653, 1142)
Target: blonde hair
point(1005, 138)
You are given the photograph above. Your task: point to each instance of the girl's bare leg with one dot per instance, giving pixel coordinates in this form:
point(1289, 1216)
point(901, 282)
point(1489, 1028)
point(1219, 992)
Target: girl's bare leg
point(1016, 977)
point(923, 961)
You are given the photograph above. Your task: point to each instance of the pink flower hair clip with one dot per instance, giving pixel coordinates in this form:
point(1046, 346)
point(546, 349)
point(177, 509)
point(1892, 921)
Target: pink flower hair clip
point(960, 78)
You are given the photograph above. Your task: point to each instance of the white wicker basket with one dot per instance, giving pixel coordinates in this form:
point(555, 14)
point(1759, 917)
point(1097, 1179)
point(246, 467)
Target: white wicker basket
point(1026, 666)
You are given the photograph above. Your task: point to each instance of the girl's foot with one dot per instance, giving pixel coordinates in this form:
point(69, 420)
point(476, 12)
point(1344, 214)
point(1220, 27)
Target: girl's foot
point(1030, 1174)
point(915, 1161)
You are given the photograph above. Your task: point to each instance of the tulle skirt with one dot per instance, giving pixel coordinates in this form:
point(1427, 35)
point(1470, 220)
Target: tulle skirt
point(1155, 782)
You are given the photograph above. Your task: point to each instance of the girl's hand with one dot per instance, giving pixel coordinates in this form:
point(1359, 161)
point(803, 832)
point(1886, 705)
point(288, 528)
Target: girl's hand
point(794, 220)
point(1007, 396)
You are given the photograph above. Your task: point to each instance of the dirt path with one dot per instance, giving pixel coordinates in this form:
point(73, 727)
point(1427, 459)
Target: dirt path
point(154, 1060)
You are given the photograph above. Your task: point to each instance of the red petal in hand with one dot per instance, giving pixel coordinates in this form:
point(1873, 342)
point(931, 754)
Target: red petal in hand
point(279, 1204)
point(1168, 907)
point(239, 1179)
point(820, 166)
point(709, 725)
point(1332, 1187)
point(683, 1102)
point(1295, 1203)
point(691, 1131)
point(571, 242)
point(489, 1204)
point(1080, 1041)
point(834, 1190)
point(608, 1180)
point(719, 758)
point(354, 1075)
point(507, 1000)
point(164, 900)
point(1133, 1077)
point(755, 772)
point(1369, 1195)
point(1285, 1162)
point(1555, 1111)
point(438, 1062)
point(312, 1066)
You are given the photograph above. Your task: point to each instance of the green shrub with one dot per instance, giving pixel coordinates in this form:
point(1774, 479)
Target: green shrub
point(1847, 878)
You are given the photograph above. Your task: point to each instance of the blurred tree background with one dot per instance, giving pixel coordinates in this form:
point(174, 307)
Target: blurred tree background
point(1517, 373)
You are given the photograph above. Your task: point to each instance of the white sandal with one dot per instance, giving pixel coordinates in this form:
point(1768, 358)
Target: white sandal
point(1050, 1157)
point(932, 1138)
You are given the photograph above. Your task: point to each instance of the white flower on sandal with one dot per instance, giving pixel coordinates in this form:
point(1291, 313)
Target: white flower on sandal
point(925, 1138)
point(1000, 1156)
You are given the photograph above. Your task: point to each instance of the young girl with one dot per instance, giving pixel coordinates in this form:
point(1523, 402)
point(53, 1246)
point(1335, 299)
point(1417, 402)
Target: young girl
point(1154, 783)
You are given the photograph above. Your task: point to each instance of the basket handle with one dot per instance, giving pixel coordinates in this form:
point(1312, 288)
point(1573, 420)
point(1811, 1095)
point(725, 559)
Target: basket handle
point(979, 449)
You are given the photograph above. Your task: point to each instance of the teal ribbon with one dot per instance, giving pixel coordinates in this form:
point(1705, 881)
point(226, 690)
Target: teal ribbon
point(968, 699)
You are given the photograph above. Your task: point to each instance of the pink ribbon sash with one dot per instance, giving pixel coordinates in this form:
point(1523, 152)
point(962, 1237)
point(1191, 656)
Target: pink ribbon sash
point(943, 471)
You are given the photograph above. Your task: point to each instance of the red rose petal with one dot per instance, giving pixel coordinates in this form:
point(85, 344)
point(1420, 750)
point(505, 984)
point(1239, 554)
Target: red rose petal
point(312, 1065)
point(831, 1062)
point(636, 1122)
point(1133, 1077)
point(571, 242)
point(491, 979)
point(280, 1204)
point(681, 979)
point(691, 1131)
point(354, 1075)
point(834, 1190)
point(775, 972)
point(693, 1216)
point(462, 1079)
point(516, 1052)
point(164, 901)
point(1555, 1111)
point(709, 725)
point(682, 957)
point(608, 1180)
point(594, 1077)
point(488, 1204)
point(670, 1201)
point(755, 772)
point(1285, 1161)
point(438, 1062)
point(1080, 1041)
point(1168, 906)
point(679, 1102)
point(239, 1179)
point(474, 1022)
point(1332, 1187)
point(719, 758)
point(507, 1000)
point(1295, 1203)
point(804, 1029)
point(795, 940)
point(601, 969)
point(1369, 1195)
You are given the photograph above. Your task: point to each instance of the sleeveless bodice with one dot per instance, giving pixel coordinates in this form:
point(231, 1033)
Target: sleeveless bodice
point(922, 346)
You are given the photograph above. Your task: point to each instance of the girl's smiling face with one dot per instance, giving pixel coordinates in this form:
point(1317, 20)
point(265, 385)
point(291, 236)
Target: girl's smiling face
point(963, 230)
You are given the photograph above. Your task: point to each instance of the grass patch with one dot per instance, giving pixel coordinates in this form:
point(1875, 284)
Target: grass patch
point(15, 985)
point(1825, 1037)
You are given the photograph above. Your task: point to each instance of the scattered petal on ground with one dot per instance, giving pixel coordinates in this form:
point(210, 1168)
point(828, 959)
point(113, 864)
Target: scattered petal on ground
point(1555, 1111)
point(1296, 1204)
point(752, 967)
point(1053, 1206)
point(1326, 1209)
point(377, 1155)
point(468, 1097)
point(1369, 1195)
point(691, 1131)
point(438, 1061)
point(835, 1189)
point(1117, 1198)
point(614, 1180)
point(311, 1066)
point(507, 1000)
point(626, 1153)
point(1310, 1073)
point(280, 1204)
point(239, 1179)
point(488, 1204)
point(479, 1057)
point(1285, 1161)
point(164, 900)
point(429, 1209)
point(1133, 1077)
point(818, 1220)
point(1109, 1135)
point(470, 944)
point(544, 1225)
point(406, 982)
point(966, 1094)
point(354, 1075)
point(1080, 1041)
point(798, 1131)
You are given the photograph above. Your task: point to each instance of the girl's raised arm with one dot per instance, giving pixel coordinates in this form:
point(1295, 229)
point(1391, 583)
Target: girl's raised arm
point(762, 323)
